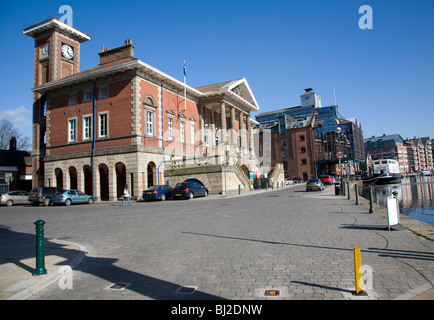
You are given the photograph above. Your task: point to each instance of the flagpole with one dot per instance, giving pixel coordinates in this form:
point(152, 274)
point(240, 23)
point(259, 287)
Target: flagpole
point(185, 87)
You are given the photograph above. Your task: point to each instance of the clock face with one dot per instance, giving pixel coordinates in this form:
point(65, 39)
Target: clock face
point(45, 48)
point(67, 51)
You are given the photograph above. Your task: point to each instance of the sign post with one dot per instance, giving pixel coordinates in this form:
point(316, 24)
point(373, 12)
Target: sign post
point(393, 214)
point(340, 155)
point(225, 163)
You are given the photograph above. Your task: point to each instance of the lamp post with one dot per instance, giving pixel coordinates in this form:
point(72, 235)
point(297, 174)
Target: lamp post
point(338, 132)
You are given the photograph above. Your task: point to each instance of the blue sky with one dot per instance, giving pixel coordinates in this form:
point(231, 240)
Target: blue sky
point(383, 76)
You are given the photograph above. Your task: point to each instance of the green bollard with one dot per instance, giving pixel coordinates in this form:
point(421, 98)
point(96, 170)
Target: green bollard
point(371, 200)
point(349, 190)
point(343, 187)
point(356, 190)
point(40, 251)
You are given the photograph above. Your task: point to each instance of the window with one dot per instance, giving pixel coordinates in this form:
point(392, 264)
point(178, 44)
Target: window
point(283, 142)
point(206, 132)
point(170, 128)
point(72, 130)
point(103, 125)
point(87, 96)
point(303, 161)
point(72, 99)
point(149, 123)
point(301, 138)
point(87, 127)
point(192, 133)
point(284, 154)
point(103, 92)
point(182, 131)
point(303, 150)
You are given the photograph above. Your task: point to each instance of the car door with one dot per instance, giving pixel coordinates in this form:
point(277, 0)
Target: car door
point(73, 196)
point(23, 197)
point(81, 196)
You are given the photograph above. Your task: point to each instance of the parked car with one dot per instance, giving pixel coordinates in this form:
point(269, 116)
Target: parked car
point(189, 189)
point(314, 184)
point(289, 181)
point(72, 196)
point(43, 195)
point(326, 179)
point(14, 197)
point(157, 193)
point(297, 180)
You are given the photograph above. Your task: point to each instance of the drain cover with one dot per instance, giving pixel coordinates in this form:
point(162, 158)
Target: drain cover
point(273, 293)
point(186, 290)
point(118, 286)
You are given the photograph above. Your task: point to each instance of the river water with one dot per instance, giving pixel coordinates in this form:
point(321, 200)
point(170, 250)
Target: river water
point(416, 197)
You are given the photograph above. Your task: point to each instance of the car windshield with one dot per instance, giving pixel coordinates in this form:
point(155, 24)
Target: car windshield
point(313, 180)
point(181, 185)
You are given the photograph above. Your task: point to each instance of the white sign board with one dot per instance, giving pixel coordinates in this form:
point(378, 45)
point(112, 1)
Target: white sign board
point(392, 211)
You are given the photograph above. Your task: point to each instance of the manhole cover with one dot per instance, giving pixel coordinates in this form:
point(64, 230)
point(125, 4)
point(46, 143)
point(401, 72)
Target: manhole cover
point(118, 286)
point(186, 290)
point(273, 293)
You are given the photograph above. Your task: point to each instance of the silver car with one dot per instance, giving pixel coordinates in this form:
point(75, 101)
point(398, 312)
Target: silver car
point(14, 197)
point(314, 184)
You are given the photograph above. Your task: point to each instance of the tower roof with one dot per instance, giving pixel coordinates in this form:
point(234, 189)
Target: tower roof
point(42, 27)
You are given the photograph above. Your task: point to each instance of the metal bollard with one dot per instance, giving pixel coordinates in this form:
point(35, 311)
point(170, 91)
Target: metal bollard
point(371, 200)
point(343, 188)
point(349, 190)
point(40, 249)
point(239, 189)
point(356, 190)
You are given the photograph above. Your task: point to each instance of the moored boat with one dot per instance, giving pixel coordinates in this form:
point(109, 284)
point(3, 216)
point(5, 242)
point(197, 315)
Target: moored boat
point(385, 171)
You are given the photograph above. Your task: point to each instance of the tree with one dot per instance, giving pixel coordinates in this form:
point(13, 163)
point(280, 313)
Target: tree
point(7, 131)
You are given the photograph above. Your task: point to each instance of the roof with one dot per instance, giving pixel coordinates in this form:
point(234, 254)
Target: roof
point(16, 158)
point(383, 138)
point(40, 28)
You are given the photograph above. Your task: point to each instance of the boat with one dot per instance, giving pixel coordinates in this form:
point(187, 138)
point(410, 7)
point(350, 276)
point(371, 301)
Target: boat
point(425, 172)
point(384, 171)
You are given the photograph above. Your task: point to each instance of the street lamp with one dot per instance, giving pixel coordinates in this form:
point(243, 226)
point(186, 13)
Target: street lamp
point(338, 131)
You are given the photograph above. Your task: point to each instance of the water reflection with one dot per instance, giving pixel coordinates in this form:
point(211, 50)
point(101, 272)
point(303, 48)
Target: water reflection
point(416, 197)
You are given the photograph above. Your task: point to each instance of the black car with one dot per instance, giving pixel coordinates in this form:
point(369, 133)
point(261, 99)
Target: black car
point(157, 193)
point(189, 189)
point(297, 180)
point(43, 195)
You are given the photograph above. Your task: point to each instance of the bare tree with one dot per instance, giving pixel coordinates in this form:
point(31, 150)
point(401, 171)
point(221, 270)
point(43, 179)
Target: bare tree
point(7, 131)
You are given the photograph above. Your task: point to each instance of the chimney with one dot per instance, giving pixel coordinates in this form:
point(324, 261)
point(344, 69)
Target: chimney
point(109, 55)
point(13, 144)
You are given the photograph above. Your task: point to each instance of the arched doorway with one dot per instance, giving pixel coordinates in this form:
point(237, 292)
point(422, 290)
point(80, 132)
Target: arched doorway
point(88, 187)
point(59, 177)
point(73, 178)
point(121, 178)
point(151, 174)
point(104, 182)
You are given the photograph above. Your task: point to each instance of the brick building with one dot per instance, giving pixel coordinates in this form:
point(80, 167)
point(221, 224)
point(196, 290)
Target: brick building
point(125, 122)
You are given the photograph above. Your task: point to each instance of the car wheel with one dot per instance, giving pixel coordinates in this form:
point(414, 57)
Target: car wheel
point(67, 202)
point(47, 202)
point(163, 197)
point(9, 203)
point(206, 193)
point(190, 195)
point(90, 201)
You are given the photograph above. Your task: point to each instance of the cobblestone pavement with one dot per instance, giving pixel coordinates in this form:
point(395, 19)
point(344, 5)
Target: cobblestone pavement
point(298, 243)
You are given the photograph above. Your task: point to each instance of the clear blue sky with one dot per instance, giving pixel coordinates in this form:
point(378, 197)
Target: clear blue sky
point(383, 76)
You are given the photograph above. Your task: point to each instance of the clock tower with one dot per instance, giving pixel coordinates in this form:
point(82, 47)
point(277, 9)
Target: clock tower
point(56, 56)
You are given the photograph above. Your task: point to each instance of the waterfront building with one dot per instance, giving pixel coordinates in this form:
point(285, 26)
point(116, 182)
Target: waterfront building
point(390, 146)
point(306, 139)
point(126, 122)
point(421, 152)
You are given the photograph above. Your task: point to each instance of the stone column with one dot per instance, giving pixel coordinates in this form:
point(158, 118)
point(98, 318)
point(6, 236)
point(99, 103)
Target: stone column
point(112, 182)
point(242, 131)
point(223, 123)
point(233, 128)
point(201, 126)
point(249, 134)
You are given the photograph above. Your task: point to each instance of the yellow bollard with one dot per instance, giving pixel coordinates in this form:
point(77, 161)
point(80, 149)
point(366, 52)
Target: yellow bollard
point(358, 265)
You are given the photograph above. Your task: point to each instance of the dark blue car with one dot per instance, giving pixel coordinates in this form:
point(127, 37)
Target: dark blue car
point(158, 193)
